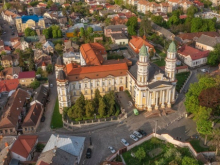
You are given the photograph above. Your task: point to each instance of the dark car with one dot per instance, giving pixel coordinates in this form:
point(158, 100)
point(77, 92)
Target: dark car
point(88, 153)
point(42, 119)
point(12, 33)
point(142, 132)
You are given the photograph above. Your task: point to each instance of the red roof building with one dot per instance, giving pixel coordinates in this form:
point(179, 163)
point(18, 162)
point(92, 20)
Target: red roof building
point(23, 147)
point(8, 85)
point(28, 74)
point(193, 57)
point(137, 42)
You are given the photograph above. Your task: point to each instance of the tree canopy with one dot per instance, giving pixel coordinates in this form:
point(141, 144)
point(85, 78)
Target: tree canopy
point(203, 25)
point(29, 32)
point(214, 56)
point(132, 25)
point(187, 160)
point(52, 32)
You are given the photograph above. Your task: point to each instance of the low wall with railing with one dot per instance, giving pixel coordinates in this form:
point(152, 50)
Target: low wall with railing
point(166, 138)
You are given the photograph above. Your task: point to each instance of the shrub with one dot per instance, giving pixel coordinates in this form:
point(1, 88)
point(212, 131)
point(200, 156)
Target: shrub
point(40, 147)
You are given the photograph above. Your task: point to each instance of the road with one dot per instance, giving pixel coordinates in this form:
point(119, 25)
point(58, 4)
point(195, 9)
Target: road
point(6, 28)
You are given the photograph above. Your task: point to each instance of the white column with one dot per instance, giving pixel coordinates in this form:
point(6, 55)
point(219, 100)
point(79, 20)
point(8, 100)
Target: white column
point(162, 105)
point(153, 102)
point(147, 97)
point(173, 95)
point(160, 101)
point(169, 95)
point(156, 104)
point(149, 104)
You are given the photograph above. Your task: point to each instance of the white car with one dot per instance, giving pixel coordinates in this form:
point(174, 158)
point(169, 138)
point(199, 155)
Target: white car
point(136, 133)
point(111, 149)
point(204, 70)
point(133, 137)
point(124, 142)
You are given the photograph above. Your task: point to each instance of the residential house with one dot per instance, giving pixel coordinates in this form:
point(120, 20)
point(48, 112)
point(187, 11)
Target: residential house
point(136, 43)
point(185, 4)
point(198, 4)
point(42, 5)
point(115, 29)
point(192, 37)
point(95, 8)
point(92, 54)
point(162, 31)
point(41, 95)
point(84, 20)
point(57, 16)
point(192, 57)
point(9, 60)
point(33, 117)
point(70, 46)
point(65, 5)
point(8, 85)
point(205, 42)
point(24, 147)
point(61, 149)
point(71, 57)
point(119, 38)
point(59, 1)
point(9, 16)
point(18, 43)
point(133, 2)
point(35, 10)
point(215, 3)
point(114, 8)
point(153, 7)
point(103, 13)
point(10, 73)
point(119, 20)
point(15, 110)
point(41, 59)
point(5, 144)
point(31, 21)
point(48, 47)
point(26, 78)
point(14, 40)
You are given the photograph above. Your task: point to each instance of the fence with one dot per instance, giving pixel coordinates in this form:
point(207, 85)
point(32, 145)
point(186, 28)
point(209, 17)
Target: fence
point(71, 124)
point(164, 137)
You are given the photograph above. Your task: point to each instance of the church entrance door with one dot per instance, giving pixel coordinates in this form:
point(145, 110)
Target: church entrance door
point(121, 88)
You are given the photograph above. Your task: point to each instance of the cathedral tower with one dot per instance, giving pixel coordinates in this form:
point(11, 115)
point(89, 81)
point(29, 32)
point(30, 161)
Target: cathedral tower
point(142, 64)
point(170, 67)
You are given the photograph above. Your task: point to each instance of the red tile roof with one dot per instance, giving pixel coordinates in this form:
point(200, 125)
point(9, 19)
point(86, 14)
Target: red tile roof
point(42, 163)
point(8, 85)
point(138, 42)
point(7, 48)
point(28, 74)
point(92, 53)
point(190, 36)
point(24, 145)
point(192, 52)
point(76, 72)
point(183, 16)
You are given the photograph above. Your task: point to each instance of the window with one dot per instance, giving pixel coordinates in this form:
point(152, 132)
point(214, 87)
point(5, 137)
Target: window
point(1, 131)
point(11, 130)
point(103, 89)
point(97, 83)
point(74, 93)
point(109, 82)
point(25, 129)
point(103, 83)
point(109, 89)
point(32, 128)
point(144, 94)
point(79, 86)
point(91, 91)
point(121, 80)
point(73, 86)
point(85, 91)
point(6, 131)
point(91, 84)
point(85, 85)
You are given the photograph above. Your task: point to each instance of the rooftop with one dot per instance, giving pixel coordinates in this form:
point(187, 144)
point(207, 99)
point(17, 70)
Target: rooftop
point(28, 74)
point(24, 145)
point(8, 85)
point(138, 42)
point(118, 36)
point(25, 18)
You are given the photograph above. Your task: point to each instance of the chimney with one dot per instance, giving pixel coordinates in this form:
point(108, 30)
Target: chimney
point(6, 144)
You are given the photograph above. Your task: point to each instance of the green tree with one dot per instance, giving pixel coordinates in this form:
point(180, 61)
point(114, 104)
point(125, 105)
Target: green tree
point(70, 22)
point(7, 6)
point(101, 108)
point(49, 68)
point(39, 71)
point(132, 25)
point(76, 32)
point(54, 33)
point(38, 45)
point(27, 32)
point(145, 26)
point(216, 139)
point(1, 68)
point(59, 34)
point(49, 3)
point(59, 48)
point(31, 63)
point(187, 160)
point(79, 107)
point(35, 84)
point(82, 32)
point(214, 56)
point(174, 20)
point(157, 19)
point(107, 21)
point(109, 99)
point(90, 109)
point(96, 98)
point(3, 53)
point(140, 154)
point(119, 2)
point(46, 33)
point(191, 11)
point(203, 123)
point(89, 30)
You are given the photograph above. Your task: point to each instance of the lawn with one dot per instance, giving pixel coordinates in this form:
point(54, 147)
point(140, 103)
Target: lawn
point(56, 121)
point(160, 62)
point(168, 153)
point(196, 145)
point(181, 78)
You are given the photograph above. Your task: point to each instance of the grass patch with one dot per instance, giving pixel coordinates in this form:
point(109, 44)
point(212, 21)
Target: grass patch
point(196, 145)
point(56, 121)
point(160, 62)
point(181, 78)
point(176, 153)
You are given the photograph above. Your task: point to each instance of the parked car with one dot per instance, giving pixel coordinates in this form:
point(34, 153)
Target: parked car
point(133, 137)
point(142, 132)
point(12, 34)
point(204, 70)
point(89, 153)
point(42, 119)
point(136, 133)
point(124, 142)
point(111, 149)
point(51, 85)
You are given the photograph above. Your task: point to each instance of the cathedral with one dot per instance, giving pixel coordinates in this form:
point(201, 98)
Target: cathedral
point(150, 86)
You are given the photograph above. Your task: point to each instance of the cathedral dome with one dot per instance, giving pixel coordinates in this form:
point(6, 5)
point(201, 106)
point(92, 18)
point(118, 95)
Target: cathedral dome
point(61, 75)
point(172, 47)
point(143, 51)
point(59, 61)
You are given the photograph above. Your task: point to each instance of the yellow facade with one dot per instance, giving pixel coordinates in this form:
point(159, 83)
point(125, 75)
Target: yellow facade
point(26, 81)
